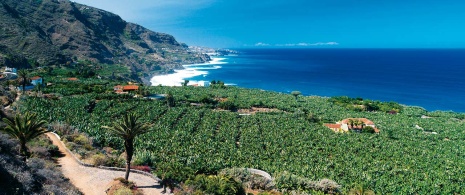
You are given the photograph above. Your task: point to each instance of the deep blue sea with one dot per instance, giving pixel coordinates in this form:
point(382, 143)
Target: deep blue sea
point(431, 78)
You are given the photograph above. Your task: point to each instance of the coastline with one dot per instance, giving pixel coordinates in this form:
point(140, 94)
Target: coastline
point(188, 71)
point(322, 73)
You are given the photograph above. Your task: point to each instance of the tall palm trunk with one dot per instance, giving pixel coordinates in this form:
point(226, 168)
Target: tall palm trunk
point(129, 146)
point(23, 149)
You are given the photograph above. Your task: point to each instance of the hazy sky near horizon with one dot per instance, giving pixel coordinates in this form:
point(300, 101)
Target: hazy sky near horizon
point(300, 23)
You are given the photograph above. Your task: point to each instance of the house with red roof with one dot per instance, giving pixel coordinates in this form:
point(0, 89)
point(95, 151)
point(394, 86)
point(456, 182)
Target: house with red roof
point(352, 124)
point(334, 127)
point(37, 80)
point(125, 89)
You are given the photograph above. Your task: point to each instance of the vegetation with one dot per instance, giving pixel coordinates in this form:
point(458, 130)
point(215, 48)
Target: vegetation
point(359, 104)
point(128, 129)
point(24, 128)
point(203, 139)
point(39, 175)
point(212, 184)
point(23, 75)
point(296, 94)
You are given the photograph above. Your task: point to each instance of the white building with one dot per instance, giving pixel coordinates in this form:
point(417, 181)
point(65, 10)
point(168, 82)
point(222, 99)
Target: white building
point(13, 70)
point(36, 80)
point(204, 83)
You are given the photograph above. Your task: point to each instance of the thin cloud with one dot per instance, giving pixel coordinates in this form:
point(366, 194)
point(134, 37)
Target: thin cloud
point(260, 44)
point(307, 44)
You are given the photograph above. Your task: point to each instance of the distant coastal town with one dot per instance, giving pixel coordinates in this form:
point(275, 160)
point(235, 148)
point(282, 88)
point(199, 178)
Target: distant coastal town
point(212, 51)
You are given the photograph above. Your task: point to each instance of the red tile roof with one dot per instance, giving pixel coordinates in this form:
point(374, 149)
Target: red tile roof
point(333, 126)
point(73, 79)
point(36, 78)
point(130, 87)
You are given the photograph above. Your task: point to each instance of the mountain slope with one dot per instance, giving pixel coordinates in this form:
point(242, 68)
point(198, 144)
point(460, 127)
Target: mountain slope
point(47, 32)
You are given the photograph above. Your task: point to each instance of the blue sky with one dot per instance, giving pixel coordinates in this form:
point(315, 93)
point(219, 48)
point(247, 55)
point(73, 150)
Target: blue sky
point(300, 23)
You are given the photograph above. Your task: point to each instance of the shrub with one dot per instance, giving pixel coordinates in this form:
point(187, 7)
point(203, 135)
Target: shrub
point(175, 172)
point(99, 160)
point(70, 145)
point(81, 139)
point(40, 152)
point(215, 185)
point(53, 150)
point(36, 163)
point(62, 128)
point(248, 180)
point(227, 105)
point(143, 157)
point(123, 191)
point(288, 182)
point(360, 190)
point(368, 129)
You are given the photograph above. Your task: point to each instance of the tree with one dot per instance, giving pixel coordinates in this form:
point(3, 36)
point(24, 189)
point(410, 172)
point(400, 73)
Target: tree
point(368, 129)
point(170, 100)
point(296, 94)
point(23, 75)
point(24, 128)
point(352, 123)
point(185, 83)
point(128, 129)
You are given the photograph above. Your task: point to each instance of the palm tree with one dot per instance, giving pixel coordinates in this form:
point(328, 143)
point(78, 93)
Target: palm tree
point(128, 129)
point(23, 74)
point(351, 123)
point(170, 100)
point(185, 83)
point(296, 94)
point(24, 128)
point(362, 125)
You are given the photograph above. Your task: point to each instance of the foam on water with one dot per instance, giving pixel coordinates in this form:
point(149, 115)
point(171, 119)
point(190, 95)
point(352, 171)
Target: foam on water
point(189, 71)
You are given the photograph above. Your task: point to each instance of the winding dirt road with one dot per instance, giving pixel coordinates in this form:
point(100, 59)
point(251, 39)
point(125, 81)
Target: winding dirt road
point(94, 181)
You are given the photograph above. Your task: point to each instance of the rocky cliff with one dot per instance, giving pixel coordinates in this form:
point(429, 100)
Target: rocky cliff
point(48, 32)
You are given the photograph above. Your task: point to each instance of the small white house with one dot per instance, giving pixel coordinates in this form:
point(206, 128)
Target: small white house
point(204, 83)
point(36, 80)
point(12, 70)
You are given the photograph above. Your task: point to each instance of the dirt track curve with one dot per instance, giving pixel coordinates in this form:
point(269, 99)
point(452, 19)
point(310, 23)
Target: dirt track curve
point(94, 181)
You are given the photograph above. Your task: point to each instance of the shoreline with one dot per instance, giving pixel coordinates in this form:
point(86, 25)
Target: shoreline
point(382, 90)
point(189, 71)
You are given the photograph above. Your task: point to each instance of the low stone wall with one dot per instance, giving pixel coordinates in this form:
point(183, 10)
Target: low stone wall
point(259, 172)
point(104, 167)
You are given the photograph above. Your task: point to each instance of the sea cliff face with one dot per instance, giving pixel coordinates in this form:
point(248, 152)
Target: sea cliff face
point(49, 32)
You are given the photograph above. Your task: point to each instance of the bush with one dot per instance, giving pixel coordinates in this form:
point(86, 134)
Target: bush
point(215, 185)
point(81, 140)
point(289, 182)
point(123, 191)
point(62, 128)
point(53, 150)
point(247, 179)
point(368, 129)
point(227, 105)
point(143, 157)
point(40, 152)
point(70, 145)
point(175, 172)
point(99, 160)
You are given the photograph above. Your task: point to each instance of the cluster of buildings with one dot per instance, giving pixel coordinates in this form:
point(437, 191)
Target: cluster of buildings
point(352, 124)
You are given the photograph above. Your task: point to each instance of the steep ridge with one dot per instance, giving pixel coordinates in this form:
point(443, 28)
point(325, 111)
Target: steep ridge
point(49, 32)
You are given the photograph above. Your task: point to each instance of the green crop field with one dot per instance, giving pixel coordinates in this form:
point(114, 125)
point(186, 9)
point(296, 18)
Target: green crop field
point(401, 159)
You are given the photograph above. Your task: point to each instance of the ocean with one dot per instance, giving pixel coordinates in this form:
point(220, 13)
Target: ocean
point(430, 78)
